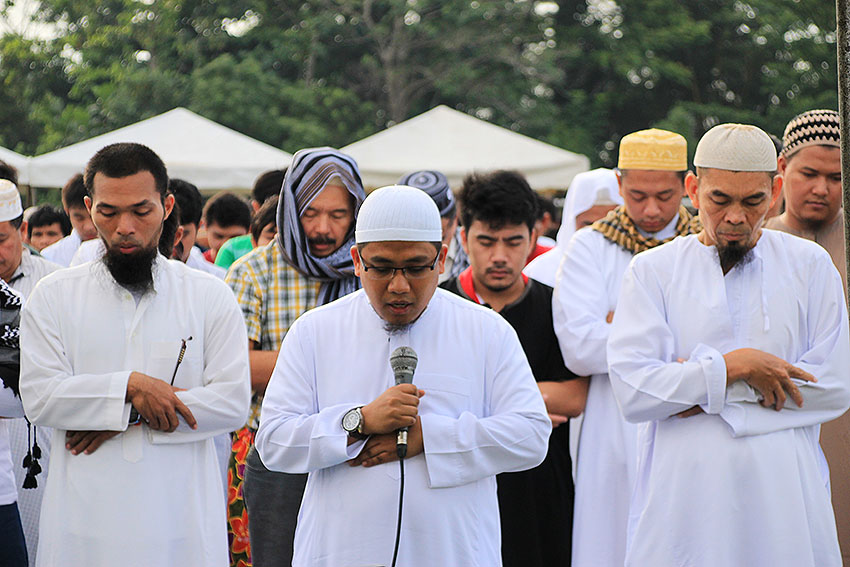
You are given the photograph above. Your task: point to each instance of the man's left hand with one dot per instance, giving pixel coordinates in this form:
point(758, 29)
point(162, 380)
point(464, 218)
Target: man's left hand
point(382, 448)
point(86, 441)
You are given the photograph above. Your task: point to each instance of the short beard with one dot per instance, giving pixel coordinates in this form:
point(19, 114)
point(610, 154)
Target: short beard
point(734, 254)
point(132, 271)
point(393, 329)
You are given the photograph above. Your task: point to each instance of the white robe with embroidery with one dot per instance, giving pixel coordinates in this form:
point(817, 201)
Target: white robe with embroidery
point(740, 485)
point(482, 414)
point(144, 497)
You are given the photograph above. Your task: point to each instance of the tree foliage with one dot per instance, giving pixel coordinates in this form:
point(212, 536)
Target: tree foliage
point(580, 74)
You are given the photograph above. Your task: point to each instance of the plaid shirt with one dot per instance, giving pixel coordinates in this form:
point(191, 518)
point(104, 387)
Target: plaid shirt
point(272, 294)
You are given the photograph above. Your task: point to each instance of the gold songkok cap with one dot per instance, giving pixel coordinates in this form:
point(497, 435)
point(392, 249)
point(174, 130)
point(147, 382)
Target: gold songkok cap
point(653, 149)
point(736, 147)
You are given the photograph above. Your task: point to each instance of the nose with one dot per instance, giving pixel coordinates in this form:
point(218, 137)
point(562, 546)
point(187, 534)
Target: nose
point(652, 209)
point(498, 254)
point(398, 283)
point(323, 224)
point(819, 186)
point(735, 215)
point(126, 225)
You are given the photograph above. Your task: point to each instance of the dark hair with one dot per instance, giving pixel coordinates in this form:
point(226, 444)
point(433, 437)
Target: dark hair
point(189, 198)
point(268, 185)
point(17, 221)
point(169, 231)
point(123, 159)
point(8, 171)
point(226, 209)
point(46, 215)
point(264, 216)
point(497, 198)
point(544, 206)
point(74, 192)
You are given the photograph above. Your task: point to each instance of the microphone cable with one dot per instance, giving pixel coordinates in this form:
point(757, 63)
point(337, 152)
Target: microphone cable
point(400, 502)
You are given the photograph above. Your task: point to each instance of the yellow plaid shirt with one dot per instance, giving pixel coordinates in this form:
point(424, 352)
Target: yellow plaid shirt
point(272, 294)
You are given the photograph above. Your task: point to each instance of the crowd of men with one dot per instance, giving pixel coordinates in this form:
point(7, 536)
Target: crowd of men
point(420, 376)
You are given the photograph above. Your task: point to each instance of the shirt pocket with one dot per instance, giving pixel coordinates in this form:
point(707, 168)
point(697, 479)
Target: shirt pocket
point(445, 394)
point(163, 360)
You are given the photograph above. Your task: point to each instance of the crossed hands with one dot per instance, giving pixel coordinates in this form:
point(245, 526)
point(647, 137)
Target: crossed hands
point(769, 375)
point(397, 407)
point(155, 400)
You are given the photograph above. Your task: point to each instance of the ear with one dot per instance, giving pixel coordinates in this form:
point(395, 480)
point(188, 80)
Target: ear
point(619, 175)
point(88, 203)
point(776, 189)
point(178, 236)
point(463, 241)
point(692, 187)
point(24, 230)
point(355, 257)
point(781, 164)
point(441, 263)
point(168, 205)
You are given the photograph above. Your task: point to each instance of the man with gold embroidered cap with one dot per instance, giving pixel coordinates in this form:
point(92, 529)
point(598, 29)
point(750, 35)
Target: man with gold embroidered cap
point(730, 347)
point(651, 172)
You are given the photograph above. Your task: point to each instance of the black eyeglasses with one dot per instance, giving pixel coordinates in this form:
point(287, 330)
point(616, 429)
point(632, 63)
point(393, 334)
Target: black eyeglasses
point(388, 272)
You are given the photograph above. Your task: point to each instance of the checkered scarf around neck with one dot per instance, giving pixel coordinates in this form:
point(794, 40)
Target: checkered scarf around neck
point(10, 349)
point(308, 175)
point(619, 228)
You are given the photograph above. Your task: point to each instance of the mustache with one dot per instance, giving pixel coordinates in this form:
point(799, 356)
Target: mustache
point(321, 240)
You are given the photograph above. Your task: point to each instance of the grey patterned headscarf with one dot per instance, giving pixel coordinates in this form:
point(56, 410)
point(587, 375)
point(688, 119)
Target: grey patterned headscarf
point(307, 176)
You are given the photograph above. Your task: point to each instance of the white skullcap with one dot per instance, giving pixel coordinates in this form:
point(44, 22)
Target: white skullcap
point(736, 147)
point(398, 212)
point(10, 201)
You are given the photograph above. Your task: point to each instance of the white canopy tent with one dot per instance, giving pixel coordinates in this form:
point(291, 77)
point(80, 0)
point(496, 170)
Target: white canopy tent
point(193, 148)
point(456, 144)
point(17, 161)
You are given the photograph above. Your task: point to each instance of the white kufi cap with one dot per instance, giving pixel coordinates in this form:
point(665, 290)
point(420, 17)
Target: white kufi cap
point(398, 212)
point(736, 147)
point(10, 201)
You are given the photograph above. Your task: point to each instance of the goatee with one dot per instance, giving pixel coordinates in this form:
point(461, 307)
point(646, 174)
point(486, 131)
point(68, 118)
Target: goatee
point(132, 271)
point(734, 254)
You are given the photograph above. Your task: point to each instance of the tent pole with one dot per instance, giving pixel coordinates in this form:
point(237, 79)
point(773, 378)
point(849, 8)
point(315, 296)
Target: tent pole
point(842, 20)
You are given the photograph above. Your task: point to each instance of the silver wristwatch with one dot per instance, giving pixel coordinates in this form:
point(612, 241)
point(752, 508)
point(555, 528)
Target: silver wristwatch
point(352, 422)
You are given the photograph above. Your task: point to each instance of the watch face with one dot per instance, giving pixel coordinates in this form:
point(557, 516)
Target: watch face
point(351, 420)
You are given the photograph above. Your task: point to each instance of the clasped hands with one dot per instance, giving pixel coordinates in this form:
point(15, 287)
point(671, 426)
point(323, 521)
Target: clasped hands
point(767, 374)
point(154, 399)
point(397, 407)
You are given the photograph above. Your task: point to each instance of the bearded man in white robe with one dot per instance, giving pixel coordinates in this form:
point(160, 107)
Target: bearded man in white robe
point(136, 377)
point(730, 347)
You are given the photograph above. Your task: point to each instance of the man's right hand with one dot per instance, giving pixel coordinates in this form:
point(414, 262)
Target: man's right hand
point(157, 402)
point(395, 408)
point(767, 374)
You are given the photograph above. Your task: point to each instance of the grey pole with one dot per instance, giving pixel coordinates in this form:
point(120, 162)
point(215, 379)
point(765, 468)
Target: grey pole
point(842, 20)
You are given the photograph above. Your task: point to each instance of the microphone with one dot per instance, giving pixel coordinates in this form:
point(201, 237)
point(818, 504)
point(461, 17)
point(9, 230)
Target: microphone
point(403, 362)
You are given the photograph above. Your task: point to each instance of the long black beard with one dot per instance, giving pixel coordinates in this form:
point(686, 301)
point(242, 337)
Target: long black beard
point(132, 271)
point(733, 255)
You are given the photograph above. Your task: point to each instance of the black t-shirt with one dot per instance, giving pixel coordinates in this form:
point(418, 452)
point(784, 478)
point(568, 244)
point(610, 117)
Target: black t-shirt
point(536, 506)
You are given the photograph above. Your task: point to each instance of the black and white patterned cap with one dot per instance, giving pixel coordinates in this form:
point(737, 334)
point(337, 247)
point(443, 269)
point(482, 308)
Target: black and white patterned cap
point(436, 185)
point(811, 128)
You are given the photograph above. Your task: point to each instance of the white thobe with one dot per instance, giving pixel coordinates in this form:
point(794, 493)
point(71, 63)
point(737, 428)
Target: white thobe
point(10, 406)
point(588, 284)
point(30, 271)
point(63, 251)
point(740, 485)
point(196, 260)
point(482, 414)
point(144, 497)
